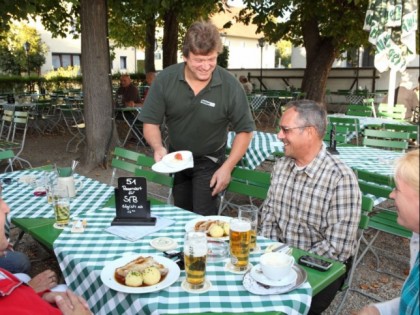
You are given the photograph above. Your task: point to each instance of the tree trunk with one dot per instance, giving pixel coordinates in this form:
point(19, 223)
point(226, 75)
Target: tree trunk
point(320, 56)
point(170, 38)
point(97, 89)
point(149, 51)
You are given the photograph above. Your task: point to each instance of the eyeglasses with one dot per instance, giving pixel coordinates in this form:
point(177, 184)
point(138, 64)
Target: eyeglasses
point(287, 130)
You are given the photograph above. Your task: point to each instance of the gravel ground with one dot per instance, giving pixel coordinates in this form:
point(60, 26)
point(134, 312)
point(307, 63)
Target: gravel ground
point(46, 149)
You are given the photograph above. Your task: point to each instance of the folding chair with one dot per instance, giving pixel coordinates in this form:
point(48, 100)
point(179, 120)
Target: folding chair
point(367, 206)
point(249, 183)
point(75, 122)
point(145, 163)
point(13, 134)
point(413, 130)
point(7, 155)
point(386, 139)
point(256, 103)
point(342, 134)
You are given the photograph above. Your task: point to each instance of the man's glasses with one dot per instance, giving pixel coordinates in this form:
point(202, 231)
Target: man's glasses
point(287, 130)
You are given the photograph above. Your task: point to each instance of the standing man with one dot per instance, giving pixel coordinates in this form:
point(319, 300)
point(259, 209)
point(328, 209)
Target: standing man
point(199, 102)
point(314, 201)
point(127, 94)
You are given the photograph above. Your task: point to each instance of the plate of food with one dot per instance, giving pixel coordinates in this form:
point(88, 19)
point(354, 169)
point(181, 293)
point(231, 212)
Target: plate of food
point(215, 226)
point(137, 273)
point(174, 162)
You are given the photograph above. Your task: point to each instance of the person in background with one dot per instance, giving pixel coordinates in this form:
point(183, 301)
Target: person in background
point(246, 84)
point(127, 94)
point(150, 77)
point(314, 199)
point(16, 297)
point(404, 94)
point(406, 196)
point(199, 102)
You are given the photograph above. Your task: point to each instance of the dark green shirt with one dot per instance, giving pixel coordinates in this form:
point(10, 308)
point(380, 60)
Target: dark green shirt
point(197, 123)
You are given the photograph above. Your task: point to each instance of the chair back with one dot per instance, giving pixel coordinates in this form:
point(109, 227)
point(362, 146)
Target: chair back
point(341, 133)
point(352, 124)
point(124, 160)
point(7, 155)
point(377, 185)
point(413, 130)
point(359, 110)
point(396, 112)
point(385, 139)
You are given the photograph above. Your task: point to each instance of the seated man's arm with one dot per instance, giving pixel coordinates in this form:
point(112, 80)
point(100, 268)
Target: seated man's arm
point(342, 220)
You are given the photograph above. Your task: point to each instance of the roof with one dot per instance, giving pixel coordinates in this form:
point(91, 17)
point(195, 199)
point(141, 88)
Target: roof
point(237, 29)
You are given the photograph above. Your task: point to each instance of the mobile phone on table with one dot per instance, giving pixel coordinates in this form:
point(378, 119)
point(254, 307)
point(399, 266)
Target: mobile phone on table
point(314, 263)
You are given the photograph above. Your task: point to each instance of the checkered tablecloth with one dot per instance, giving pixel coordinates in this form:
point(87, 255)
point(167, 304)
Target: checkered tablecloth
point(262, 145)
point(83, 256)
point(24, 204)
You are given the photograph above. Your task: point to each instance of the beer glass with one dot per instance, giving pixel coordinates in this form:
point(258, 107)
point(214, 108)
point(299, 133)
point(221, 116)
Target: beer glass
point(61, 204)
point(195, 254)
point(239, 242)
point(250, 212)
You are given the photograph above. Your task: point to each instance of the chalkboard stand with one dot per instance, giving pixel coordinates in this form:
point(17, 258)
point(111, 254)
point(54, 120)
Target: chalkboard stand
point(132, 206)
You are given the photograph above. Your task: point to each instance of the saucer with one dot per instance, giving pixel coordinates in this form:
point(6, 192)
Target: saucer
point(257, 274)
point(164, 243)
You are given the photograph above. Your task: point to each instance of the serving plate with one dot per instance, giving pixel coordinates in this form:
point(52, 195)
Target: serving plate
point(191, 224)
point(107, 274)
point(169, 164)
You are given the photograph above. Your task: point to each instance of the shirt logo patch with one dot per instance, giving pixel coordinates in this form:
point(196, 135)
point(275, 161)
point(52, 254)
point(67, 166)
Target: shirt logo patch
point(208, 103)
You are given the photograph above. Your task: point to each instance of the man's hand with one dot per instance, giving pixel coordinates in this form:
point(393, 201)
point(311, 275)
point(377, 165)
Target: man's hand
point(160, 153)
point(220, 180)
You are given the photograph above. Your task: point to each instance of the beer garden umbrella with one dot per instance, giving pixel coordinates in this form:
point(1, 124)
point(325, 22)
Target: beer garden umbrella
point(392, 26)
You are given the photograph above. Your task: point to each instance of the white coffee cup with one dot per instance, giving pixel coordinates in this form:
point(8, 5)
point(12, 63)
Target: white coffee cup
point(276, 265)
point(70, 184)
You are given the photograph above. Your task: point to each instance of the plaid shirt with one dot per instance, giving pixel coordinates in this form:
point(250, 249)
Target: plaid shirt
point(316, 208)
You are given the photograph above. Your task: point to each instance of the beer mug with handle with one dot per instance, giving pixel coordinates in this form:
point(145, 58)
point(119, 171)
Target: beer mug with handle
point(195, 256)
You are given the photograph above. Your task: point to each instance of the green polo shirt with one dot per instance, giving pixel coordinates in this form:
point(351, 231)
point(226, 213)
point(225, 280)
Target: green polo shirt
point(197, 123)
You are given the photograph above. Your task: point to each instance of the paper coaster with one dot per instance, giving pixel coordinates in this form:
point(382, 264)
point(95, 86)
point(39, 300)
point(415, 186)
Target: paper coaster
point(204, 289)
point(229, 267)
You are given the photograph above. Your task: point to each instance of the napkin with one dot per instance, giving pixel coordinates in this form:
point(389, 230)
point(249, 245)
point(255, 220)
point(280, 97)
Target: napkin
point(134, 233)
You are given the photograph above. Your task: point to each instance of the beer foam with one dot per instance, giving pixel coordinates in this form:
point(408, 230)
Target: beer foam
point(240, 225)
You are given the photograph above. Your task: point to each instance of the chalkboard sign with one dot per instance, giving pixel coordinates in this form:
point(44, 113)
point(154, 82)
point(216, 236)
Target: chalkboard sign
point(132, 206)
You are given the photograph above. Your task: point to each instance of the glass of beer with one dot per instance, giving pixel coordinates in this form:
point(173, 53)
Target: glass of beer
point(239, 243)
point(250, 212)
point(61, 204)
point(195, 254)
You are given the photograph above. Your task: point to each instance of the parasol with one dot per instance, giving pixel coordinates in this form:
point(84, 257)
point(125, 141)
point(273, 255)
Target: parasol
point(392, 26)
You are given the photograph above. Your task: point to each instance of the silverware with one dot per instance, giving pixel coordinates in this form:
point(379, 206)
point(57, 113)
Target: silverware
point(279, 248)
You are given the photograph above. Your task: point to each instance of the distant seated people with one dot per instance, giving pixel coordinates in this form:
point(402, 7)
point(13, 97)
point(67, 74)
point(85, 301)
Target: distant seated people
point(246, 84)
point(314, 199)
point(150, 77)
point(405, 95)
point(406, 196)
point(127, 94)
point(35, 297)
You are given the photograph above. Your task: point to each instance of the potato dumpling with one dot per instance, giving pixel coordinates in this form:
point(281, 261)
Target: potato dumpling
point(216, 230)
point(134, 279)
point(151, 275)
point(226, 228)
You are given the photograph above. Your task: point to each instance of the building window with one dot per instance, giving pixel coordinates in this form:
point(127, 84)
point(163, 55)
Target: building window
point(123, 63)
point(158, 56)
point(65, 60)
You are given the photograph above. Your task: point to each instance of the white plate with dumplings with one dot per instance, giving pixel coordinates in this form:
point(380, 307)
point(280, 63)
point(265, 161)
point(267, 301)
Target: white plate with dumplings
point(215, 233)
point(108, 274)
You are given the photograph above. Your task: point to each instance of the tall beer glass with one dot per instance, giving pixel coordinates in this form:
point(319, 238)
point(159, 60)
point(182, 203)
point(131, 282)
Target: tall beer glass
point(195, 253)
point(250, 212)
point(240, 239)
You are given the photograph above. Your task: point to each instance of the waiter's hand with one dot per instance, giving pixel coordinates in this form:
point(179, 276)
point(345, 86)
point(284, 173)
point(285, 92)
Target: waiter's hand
point(159, 153)
point(220, 180)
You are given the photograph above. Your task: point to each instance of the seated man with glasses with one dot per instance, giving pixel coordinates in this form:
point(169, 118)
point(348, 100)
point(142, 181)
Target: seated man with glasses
point(314, 199)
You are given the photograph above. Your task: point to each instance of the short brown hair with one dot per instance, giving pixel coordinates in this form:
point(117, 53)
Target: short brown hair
point(202, 38)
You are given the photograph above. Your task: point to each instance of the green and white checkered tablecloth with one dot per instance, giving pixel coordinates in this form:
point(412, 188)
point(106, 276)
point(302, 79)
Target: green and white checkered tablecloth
point(24, 204)
point(262, 145)
point(82, 257)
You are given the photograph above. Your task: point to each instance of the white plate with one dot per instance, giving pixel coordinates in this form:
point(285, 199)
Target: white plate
point(258, 275)
point(169, 164)
point(256, 288)
point(107, 274)
point(191, 224)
